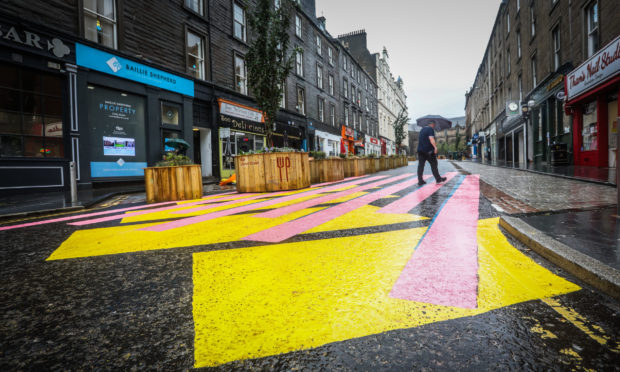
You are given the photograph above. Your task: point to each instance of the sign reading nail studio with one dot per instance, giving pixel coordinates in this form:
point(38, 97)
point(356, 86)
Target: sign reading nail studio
point(599, 68)
point(35, 41)
point(111, 64)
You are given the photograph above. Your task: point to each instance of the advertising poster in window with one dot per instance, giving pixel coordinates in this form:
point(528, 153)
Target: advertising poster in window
point(117, 130)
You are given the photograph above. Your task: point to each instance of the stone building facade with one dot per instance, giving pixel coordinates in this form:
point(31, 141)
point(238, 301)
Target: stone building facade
point(516, 110)
point(108, 84)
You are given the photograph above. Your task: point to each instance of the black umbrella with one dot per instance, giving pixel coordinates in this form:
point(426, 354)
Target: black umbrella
point(441, 122)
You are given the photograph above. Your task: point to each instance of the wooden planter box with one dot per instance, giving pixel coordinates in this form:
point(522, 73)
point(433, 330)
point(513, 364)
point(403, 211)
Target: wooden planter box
point(315, 176)
point(330, 170)
point(354, 167)
point(370, 165)
point(173, 183)
point(273, 171)
point(384, 163)
point(377, 164)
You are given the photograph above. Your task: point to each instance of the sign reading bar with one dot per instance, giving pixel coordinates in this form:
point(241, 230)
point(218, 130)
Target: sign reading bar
point(33, 41)
point(601, 67)
point(101, 61)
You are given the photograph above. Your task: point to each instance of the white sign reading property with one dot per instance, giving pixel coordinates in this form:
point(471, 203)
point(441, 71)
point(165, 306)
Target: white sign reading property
point(601, 67)
point(240, 112)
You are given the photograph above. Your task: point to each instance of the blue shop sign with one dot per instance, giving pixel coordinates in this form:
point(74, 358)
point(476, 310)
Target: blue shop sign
point(96, 59)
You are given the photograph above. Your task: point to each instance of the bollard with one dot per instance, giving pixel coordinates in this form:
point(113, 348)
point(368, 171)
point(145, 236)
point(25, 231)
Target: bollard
point(73, 182)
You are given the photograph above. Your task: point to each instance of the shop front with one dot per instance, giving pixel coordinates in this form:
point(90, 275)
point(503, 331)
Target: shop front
point(384, 146)
point(359, 143)
point(549, 126)
point(37, 108)
point(327, 142)
point(128, 113)
point(287, 135)
point(592, 91)
point(242, 129)
point(347, 142)
point(373, 145)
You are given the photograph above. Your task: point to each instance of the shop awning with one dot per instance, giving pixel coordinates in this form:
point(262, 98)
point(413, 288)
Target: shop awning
point(511, 122)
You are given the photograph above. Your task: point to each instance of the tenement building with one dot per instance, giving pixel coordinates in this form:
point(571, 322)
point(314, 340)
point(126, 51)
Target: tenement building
point(391, 97)
point(109, 84)
point(541, 93)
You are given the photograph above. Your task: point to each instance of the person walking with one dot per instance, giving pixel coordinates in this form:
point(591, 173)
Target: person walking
point(427, 151)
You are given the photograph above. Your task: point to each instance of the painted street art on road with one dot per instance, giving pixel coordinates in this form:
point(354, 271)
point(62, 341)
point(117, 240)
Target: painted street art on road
point(331, 263)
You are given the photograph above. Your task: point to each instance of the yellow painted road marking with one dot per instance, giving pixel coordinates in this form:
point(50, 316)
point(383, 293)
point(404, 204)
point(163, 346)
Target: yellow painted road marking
point(593, 331)
point(261, 301)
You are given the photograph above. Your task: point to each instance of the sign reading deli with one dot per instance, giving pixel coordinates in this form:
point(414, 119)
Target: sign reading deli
point(601, 67)
point(241, 118)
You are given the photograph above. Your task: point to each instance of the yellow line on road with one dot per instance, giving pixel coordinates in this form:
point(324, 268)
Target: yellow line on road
point(593, 331)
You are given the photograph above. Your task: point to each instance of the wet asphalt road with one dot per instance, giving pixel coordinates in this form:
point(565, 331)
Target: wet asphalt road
point(134, 311)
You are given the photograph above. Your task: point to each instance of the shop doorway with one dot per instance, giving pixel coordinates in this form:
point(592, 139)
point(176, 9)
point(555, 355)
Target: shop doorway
point(202, 150)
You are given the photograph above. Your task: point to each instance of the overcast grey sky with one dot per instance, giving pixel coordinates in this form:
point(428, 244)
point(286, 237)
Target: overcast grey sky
point(436, 46)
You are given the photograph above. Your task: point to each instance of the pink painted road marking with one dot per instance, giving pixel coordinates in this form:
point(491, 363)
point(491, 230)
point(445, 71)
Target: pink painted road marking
point(69, 218)
point(259, 196)
point(138, 213)
point(332, 182)
point(411, 200)
point(289, 229)
point(244, 208)
point(323, 199)
point(443, 270)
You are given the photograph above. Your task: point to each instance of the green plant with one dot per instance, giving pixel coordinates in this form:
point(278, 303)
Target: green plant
point(317, 155)
point(399, 129)
point(172, 159)
point(342, 156)
point(268, 60)
point(371, 155)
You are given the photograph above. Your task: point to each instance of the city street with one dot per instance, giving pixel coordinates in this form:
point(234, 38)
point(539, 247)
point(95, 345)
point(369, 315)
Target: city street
point(369, 273)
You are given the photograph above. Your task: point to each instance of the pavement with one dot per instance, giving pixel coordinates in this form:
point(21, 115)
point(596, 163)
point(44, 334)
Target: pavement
point(371, 273)
point(606, 176)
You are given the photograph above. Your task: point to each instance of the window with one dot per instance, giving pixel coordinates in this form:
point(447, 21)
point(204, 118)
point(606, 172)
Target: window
point(556, 47)
point(319, 76)
point(534, 71)
point(359, 97)
point(518, 44)
point(344, 63)
point(319, 45)
point(592, 28)
point(507, 23)
point(332, 114)
point(520, 88)
point(195, 55)
point(518, 5)
point(239, 22)
point(299, 63)
point(330, 83)
point(301, 100)
point(346, 115)
point(241, 83)
point(366, 104)
point(195, 5)
point(31, 111)
point(100, 22)
point(345, 87)
point(321, 109)
point(298, 29)
point(508, 62)
point(533, 19)
point(283, 99)
point(353, 92)
point(330, 55)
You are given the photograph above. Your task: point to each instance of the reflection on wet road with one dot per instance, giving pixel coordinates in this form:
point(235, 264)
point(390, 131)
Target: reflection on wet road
point(342, 275)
